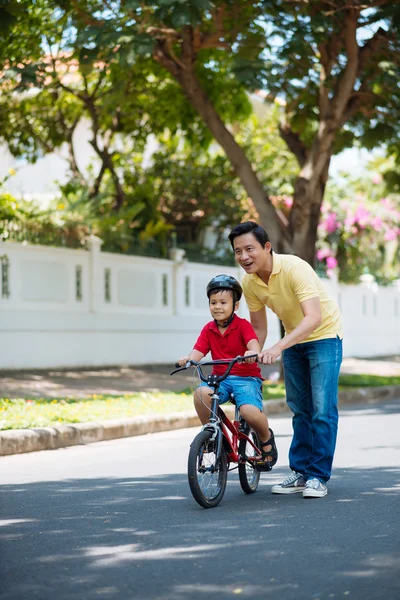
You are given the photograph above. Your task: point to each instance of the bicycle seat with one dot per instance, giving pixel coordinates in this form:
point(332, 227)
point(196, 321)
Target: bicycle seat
point(232, 399)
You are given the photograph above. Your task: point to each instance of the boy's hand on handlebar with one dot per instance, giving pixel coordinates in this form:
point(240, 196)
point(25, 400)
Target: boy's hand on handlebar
point(269, 356)
point(182, 361)
point(252, 354)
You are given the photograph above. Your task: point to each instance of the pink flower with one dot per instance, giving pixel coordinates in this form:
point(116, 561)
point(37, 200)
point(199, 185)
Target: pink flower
point(331, 262)
point(288, 201)
point(386, 203)
point(391, 234)
point(331, 223)
point(323, 253)
point(377, 223)
point(377, 178)
point(349, 221)
point(362, 216)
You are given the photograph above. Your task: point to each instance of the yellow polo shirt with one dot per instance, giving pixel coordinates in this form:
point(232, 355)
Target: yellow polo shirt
point(291, 282)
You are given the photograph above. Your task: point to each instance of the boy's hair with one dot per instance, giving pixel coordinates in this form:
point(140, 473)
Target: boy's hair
point(249, 227)
point(225, 282)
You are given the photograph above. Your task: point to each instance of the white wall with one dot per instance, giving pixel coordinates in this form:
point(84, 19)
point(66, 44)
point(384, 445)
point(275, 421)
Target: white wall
point(152, 311)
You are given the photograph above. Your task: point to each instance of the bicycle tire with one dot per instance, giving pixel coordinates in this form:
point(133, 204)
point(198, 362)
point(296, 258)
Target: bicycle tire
point(249, 475)
point(207, 477)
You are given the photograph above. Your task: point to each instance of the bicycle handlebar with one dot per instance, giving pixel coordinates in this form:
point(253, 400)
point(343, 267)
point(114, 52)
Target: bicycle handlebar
point(222, 361)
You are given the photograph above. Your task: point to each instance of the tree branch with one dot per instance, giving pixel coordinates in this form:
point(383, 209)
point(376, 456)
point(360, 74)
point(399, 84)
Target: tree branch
point(345, 83)
point(294, 143)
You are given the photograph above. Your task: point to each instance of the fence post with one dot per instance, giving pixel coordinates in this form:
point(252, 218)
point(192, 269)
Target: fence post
point(177, 255)
point(96, 291)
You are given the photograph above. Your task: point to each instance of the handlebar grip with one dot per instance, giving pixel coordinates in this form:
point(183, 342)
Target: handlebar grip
point(177, 365)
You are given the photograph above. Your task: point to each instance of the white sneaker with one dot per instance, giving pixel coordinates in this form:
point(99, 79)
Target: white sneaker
point(291, 485)
point(314, 489)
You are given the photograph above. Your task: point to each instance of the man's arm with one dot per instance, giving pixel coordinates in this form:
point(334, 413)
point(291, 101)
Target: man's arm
point(259, 322)
point(312, 319)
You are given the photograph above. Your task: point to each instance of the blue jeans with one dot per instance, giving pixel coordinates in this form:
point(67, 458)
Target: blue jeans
point(311, 372)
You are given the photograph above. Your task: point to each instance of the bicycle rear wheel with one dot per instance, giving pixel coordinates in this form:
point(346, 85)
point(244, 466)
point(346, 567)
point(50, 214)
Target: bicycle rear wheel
point(249, 475)
point(207, 475)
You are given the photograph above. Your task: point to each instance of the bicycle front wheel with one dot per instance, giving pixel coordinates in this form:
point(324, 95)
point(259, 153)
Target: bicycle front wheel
point(249, 475)
point(207, 474)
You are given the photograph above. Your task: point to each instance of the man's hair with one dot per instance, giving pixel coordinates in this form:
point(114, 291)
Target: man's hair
point(249, 227)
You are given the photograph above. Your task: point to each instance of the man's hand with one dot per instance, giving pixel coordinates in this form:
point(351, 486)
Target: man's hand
point(250, 352)
point(269, 356)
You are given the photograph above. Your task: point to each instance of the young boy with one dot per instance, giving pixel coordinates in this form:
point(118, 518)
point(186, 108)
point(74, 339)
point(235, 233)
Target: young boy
point(228, 336)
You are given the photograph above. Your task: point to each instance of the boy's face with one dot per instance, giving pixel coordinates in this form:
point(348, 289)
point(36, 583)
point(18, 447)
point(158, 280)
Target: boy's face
point(221, 305)
point(250, 254)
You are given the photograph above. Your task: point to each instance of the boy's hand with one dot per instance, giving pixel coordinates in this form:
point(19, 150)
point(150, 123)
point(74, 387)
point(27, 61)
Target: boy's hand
point(253, 358)
point(182, 361)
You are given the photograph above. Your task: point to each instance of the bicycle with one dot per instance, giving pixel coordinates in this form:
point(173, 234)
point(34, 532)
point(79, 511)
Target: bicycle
point(221, 442)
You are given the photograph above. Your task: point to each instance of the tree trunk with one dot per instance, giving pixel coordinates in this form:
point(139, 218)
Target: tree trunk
point(306, 212)
point(269, 217)
point(309, 192)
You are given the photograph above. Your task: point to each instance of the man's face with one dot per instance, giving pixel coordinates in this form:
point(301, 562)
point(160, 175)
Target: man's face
point(250, 255)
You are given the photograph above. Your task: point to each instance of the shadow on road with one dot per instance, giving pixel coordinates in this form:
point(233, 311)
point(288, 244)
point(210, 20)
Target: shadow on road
point(146, 538)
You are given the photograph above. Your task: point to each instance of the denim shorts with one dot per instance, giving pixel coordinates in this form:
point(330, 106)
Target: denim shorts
point(247, 390)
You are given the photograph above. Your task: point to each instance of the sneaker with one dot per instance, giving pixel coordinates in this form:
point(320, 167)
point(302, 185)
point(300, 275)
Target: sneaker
point(291, 485)
point(314, 489)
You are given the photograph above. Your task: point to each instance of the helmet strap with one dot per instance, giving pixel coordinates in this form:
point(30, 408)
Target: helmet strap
point(228, 321)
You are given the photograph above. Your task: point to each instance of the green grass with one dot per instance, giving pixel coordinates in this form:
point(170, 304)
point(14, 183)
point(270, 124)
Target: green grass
point(367, 380)
point(20, 413)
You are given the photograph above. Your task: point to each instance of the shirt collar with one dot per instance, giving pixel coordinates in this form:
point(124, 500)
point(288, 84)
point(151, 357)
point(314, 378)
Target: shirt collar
point(231, 326)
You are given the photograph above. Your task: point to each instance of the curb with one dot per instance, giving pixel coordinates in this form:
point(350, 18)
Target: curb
point(19, 441)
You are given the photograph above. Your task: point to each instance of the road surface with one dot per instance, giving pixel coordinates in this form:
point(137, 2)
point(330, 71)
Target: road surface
point(116, 520)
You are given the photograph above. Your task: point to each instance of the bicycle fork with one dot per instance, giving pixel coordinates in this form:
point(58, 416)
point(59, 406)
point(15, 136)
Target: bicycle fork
point(214, 425)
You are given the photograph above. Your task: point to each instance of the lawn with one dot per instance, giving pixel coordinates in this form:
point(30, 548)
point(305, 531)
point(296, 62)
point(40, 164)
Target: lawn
point(20, 413)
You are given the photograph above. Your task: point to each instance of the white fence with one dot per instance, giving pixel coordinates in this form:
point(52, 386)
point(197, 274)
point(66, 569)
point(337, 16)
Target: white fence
point(76, 308)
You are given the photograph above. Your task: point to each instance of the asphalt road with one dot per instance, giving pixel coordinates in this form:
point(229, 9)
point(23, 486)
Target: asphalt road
point(115, 520)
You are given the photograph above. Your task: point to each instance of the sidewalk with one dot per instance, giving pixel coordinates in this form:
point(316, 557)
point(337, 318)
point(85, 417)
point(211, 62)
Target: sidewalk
point(122, 380)
point(113, 380)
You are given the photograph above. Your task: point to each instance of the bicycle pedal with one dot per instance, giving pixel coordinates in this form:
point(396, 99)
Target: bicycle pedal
point(263, 466)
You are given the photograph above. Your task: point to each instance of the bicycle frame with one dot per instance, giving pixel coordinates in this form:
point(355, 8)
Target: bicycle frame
point(219, 424)
point(220, 442)
point(222, 426)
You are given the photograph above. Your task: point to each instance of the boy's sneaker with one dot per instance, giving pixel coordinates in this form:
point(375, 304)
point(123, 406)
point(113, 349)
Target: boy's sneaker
point(291, 485)
point(314, 489)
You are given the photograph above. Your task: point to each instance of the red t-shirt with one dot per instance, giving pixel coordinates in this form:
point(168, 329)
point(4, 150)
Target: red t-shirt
point(233, 343)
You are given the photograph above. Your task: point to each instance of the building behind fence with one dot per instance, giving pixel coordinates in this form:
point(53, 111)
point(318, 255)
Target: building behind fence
point(77, 308)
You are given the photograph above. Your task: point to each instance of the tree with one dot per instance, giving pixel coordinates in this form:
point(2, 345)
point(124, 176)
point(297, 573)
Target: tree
point(124, 97)
point(334, 65)
point(198, 189)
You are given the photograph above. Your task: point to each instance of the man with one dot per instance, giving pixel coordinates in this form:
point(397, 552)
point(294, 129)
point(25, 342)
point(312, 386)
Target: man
point(311, 351)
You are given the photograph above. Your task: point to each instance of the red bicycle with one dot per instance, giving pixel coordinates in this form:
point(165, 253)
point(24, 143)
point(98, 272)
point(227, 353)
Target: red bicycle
point(221, 442)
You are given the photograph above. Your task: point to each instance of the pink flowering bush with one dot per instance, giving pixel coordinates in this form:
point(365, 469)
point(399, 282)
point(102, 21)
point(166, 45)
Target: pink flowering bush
point(360, 234)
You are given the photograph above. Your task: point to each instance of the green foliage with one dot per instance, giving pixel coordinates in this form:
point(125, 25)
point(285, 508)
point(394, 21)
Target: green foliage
point(127, 67)
point(24, 221)
point(294, 65)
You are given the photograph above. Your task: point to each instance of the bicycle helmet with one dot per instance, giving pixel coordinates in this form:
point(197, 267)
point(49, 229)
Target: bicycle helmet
point(225, 282)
